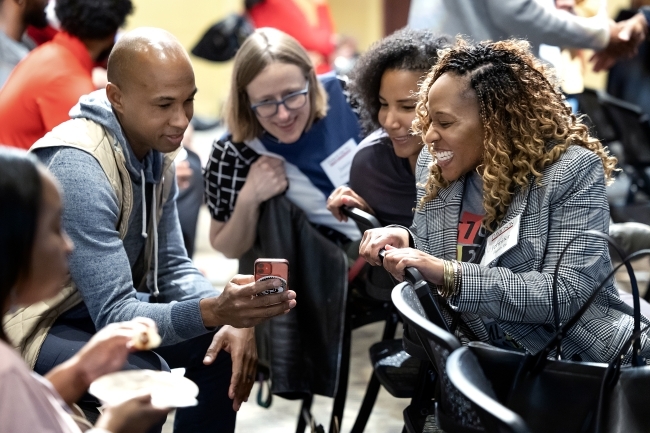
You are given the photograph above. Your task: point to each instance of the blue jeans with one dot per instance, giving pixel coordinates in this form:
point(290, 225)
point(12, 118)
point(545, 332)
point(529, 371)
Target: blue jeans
point(214, 412)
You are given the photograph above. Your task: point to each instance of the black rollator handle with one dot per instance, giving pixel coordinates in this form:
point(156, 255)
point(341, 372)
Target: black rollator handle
point(424, 294)
point(412, 275)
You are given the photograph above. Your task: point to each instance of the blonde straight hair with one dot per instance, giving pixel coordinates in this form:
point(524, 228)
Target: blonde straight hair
point(262, 48)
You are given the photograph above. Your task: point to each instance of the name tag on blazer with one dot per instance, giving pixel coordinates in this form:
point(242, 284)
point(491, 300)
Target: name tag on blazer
point(337, 165)
point(501, 240)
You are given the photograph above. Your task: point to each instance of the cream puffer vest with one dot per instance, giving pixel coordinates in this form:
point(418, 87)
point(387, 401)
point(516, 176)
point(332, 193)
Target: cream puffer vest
point(27, 327)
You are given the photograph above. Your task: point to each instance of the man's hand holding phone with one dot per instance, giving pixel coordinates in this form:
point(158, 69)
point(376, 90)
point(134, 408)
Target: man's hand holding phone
point(272, 270)
point(239, 306)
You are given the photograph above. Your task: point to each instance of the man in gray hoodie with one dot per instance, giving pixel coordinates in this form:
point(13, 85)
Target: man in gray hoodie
point(114, 163)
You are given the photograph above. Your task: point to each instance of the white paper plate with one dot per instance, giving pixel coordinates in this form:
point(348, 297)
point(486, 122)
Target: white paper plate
point(166, 389)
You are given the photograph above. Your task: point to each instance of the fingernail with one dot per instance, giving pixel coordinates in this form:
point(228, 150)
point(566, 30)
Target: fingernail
point(291, 295)
point(292, 304)
point(276, 282)
point(207, 359)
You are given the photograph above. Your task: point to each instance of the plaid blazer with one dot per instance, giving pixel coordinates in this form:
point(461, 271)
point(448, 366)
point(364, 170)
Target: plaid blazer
point(516, 288)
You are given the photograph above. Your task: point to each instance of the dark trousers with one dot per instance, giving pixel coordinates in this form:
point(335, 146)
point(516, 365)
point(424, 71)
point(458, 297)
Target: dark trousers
point(214, 412)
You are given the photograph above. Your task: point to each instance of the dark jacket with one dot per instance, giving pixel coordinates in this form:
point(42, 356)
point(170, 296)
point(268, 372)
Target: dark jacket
point(302, 348)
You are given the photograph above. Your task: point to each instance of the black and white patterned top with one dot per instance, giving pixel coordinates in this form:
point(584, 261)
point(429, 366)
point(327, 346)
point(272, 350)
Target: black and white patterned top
point(516, 288)
point(225, 175)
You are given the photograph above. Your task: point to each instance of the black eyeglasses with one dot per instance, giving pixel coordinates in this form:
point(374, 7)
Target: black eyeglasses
point(292, 101)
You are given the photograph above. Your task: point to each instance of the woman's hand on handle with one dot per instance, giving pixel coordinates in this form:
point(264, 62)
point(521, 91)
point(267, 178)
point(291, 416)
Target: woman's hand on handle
point(345, 196)
point(375, 239)
point(397, 259)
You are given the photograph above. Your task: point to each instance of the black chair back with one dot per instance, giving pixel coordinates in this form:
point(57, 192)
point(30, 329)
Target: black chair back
point(466, 375)
point(453, 411)
point(633, 128)
point(597, 119)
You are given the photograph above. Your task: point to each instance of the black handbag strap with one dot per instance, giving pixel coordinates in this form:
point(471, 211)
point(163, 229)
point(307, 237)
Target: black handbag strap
point(562, 329)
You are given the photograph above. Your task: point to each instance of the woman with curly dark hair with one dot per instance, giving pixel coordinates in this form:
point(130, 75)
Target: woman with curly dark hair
point(510, 176)
point(385, 83)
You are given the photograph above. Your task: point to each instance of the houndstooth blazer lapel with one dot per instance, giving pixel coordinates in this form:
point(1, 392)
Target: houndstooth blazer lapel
point(442, 216)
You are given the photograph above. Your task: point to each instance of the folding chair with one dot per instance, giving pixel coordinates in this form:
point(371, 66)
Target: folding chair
point(597, 119)
point(453, 412)
point(393, 368)
point(633, 129)
point(465, 373)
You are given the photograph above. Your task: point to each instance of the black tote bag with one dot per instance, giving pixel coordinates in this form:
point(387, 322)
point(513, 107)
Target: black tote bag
point(556, 395)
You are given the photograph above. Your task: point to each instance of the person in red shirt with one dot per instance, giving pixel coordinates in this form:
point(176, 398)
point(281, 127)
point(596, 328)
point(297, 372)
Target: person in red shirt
point(48, 82)
point(309, 21)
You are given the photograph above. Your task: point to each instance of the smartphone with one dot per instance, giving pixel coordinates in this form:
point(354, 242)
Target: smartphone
point(266, 269)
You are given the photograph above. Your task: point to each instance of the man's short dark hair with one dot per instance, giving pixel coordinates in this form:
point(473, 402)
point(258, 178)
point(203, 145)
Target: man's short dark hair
point(92, 19)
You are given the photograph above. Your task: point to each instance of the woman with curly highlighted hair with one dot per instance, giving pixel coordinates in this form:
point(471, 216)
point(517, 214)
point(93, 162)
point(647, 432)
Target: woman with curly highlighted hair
point(385, 84)
point(510, 176)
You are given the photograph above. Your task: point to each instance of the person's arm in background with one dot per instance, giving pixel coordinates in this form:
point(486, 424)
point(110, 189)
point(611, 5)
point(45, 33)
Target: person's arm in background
point(634, 31)
point(320, 37)
point(265, 179)
point(291, 18)
point(542, 23)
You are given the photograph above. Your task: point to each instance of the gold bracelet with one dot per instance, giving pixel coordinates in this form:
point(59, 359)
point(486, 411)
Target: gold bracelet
point(452, 284)
point(445, 277)
point(448, 282)
point(441, 287)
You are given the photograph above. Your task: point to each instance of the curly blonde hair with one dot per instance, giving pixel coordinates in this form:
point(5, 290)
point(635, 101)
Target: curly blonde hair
point(527, 123)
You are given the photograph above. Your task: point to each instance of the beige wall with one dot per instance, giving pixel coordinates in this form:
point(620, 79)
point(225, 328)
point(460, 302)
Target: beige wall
point(362, 19)
point(189, 19)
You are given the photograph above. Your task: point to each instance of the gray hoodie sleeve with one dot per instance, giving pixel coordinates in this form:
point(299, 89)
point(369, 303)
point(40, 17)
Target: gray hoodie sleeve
point(178, 278)
point(99, 265)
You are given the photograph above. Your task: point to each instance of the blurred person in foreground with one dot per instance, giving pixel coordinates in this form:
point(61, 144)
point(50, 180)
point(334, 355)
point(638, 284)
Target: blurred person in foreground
point(33, 266)
point(508, 160)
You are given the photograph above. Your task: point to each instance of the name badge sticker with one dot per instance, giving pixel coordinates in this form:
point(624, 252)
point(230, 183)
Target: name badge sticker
point(501, 240)
point(337, 165)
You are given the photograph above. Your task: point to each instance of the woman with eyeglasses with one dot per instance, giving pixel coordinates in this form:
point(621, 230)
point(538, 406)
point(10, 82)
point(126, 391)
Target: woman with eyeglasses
point(289, 131)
